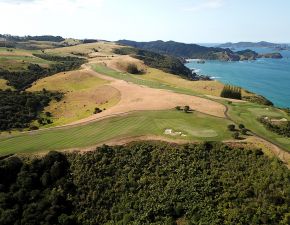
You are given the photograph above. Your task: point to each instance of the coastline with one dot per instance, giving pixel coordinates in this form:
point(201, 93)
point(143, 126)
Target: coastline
point(255, 76)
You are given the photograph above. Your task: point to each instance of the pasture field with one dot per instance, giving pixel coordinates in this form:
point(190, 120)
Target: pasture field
point(83, 93)
point(19, 59)
point(247, 114)
point(196, 126)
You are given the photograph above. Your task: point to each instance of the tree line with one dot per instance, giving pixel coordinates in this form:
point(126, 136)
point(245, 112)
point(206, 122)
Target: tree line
point(22, 80)
point(146, 183)
point(230, 91)
point(19, 109)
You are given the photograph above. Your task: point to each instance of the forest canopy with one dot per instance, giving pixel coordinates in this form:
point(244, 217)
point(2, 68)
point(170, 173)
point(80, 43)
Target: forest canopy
point(146, 183)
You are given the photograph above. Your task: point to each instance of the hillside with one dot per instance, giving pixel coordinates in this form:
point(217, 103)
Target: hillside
point(191, 51)
point(146, 183)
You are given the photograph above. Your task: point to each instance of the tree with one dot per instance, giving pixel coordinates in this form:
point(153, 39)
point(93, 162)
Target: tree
point(186, 109)
point(132, 68)
point(236, 135)
point(97, 110)
point(244, 131)
point(241, 126)
point(231, 127)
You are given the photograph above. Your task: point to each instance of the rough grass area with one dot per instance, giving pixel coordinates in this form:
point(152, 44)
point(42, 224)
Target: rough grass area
point(83, 93)
point(139, 80)
point(202, 87)
point(247, 114)
point(103, 47)
point(195, 126)
point(3, 84)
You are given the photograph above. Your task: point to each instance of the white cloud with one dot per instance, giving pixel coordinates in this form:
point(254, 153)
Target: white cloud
point(205, 4)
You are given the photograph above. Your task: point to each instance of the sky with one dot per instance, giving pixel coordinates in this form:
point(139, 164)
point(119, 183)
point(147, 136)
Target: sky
point(190, 21)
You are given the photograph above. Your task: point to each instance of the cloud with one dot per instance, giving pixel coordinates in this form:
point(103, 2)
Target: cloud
point(16, 1)
point(206, 4)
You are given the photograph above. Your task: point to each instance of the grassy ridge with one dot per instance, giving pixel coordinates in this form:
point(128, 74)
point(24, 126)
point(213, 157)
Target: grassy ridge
point(195, 125)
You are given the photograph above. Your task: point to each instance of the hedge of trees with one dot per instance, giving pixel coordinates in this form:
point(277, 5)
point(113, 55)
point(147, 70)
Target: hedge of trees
point(165, 63)
point(281, 129)
point(230, 91)
point(146, 183)
point(23, 79)
point(19, 109)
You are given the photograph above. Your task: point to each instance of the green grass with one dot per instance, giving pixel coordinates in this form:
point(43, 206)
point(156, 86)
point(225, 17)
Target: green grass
point(247, 114)
point(195, 125)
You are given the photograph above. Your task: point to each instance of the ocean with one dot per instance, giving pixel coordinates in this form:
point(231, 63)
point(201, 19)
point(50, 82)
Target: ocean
point(267, 77)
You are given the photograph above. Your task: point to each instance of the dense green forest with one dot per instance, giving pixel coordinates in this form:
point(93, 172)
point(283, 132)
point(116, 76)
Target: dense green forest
point(230, 91)
point(19, 109)
point(23, 79)
point(165, 63)
point(14, 38)
point(146, 183)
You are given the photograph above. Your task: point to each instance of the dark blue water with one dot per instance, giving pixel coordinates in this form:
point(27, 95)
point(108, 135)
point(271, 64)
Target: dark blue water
point(267, 77)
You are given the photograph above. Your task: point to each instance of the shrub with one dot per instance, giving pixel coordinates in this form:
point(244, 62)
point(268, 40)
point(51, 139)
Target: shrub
point(244, 131)
point(186, 109)
point(241, 126)
point(231, 127)
point(97, 110)
point(178, 108)
point(132, 68)
point(236, 135)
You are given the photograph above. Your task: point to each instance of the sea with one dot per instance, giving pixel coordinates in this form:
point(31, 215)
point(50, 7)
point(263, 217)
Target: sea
point(267, 77)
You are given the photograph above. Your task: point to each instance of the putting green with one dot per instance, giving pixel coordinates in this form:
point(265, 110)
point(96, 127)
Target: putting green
point(196, 126)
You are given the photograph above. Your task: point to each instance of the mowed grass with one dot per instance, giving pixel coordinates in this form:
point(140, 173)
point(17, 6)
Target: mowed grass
point(247, 114)
point(196, 126)
point(83, 93)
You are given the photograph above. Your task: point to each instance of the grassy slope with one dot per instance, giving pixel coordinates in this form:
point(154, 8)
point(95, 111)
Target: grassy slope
point(83, 93)
point(19, 59)
point(195, 125)
point(247, 113)
point(138, 79)
point(103, 47)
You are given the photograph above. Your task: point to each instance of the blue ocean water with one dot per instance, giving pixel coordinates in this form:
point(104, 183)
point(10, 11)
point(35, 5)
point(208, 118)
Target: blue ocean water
point(267, 77)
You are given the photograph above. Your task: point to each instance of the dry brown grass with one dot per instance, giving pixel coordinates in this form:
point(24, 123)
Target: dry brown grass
point(83, 93)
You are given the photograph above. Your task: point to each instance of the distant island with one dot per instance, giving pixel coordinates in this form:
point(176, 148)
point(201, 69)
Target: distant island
point(194, 51)
point(261, 44)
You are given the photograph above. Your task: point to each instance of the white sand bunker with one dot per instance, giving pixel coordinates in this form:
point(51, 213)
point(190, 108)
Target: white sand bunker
point(171, 132)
